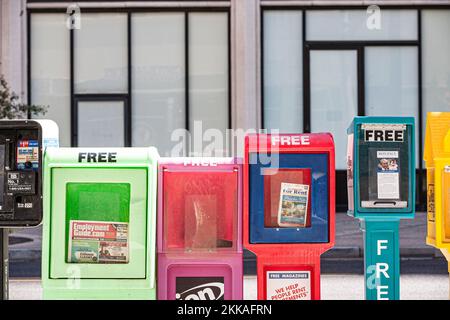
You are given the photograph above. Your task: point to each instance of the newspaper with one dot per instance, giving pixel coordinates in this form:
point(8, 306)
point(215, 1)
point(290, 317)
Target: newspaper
point(293, 207)
point(388, 178)
point(98, 242)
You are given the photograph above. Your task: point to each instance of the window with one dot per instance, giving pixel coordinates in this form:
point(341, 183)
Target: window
point(435, 61)
point(339, 25)
point(323, 67)
point(283, 73)
point(138, 75)
point(208, 71)
point(100, 51)
point(159, 72)
point(101, 123)
point(392, 83)
point(334, 98)
point(50, 69)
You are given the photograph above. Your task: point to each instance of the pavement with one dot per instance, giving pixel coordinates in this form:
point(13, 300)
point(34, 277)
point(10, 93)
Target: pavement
point(333, 287)
point(345, 257)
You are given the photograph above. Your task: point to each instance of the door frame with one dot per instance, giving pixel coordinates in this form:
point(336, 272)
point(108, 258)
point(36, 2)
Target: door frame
point(103, 98)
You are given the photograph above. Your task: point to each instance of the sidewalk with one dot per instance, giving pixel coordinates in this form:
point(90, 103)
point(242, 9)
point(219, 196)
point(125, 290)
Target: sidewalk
point(333, 287)
point(345, 257)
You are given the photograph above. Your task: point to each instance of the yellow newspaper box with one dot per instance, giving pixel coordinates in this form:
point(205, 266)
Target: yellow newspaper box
point(437, 158)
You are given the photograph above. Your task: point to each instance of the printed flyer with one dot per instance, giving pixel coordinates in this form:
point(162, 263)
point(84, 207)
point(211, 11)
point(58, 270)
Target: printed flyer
point(288, 285)
point(98, 242)
point(293, 207)
point(27, 152)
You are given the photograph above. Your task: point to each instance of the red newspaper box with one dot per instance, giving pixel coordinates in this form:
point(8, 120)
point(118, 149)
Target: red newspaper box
point(289, 211)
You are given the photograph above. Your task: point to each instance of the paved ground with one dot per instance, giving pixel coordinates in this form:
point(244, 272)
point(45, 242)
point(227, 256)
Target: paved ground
point(334, 287)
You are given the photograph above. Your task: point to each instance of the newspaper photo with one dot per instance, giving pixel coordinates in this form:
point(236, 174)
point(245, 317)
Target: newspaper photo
point(98, 242)
point(293, 207)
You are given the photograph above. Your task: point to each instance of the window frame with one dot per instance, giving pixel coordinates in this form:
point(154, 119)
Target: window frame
point(102, 98)
point(359, 46)
point(128, 95)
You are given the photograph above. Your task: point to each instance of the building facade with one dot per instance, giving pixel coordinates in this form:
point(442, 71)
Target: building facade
point(139, 73)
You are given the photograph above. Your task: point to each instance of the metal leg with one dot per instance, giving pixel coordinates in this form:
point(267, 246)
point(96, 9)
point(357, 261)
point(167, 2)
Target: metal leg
point(446, 254)
point(4, 263)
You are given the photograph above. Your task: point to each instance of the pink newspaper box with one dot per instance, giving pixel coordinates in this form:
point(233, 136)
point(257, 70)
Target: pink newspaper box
point(199, 235)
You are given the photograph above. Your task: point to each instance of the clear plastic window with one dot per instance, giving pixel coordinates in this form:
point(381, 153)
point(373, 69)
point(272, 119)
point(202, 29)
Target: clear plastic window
point(287, 198)
point(384, 159)
point(97, 222)
point(200, 210)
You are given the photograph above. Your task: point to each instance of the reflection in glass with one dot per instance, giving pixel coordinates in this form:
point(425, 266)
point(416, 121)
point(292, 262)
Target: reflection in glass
point(334, 98)
point(283, 71)
point(199, 210)
point(50, 69)
point(392, 83)
point(101, 124)
point(158, 92)
point(208, 72)
point(100, 54)
point(435, 62)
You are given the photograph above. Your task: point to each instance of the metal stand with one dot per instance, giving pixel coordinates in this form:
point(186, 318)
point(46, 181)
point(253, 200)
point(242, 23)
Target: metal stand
point(4, 263)
point(446, 254)
point(381, 259)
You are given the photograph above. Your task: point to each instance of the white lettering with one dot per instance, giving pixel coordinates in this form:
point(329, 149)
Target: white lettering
point(291, 140)
point(380, 246)
point(380, 292)
point(382, 268)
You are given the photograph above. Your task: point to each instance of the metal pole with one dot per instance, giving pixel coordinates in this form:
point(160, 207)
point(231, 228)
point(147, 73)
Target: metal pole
point(4, 263)
point(381, 259)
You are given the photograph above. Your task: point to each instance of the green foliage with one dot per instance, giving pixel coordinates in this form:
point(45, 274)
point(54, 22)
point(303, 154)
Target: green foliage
point(12, 108)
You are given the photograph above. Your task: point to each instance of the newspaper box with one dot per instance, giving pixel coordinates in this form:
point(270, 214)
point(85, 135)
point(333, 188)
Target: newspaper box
point(437, 159)
point(99, 223)
point(199, 229)
point(22, 145)
point(289, 211)
point(381, 190)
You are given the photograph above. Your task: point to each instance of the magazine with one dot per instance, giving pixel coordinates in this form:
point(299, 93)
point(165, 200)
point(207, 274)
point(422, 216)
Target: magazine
point(98, 242)
point(293, 207)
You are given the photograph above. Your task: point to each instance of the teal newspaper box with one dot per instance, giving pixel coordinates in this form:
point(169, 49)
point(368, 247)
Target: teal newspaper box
point(381, 191)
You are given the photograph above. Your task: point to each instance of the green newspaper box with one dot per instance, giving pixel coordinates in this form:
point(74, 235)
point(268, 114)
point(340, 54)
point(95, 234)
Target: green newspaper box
point(99, 223)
